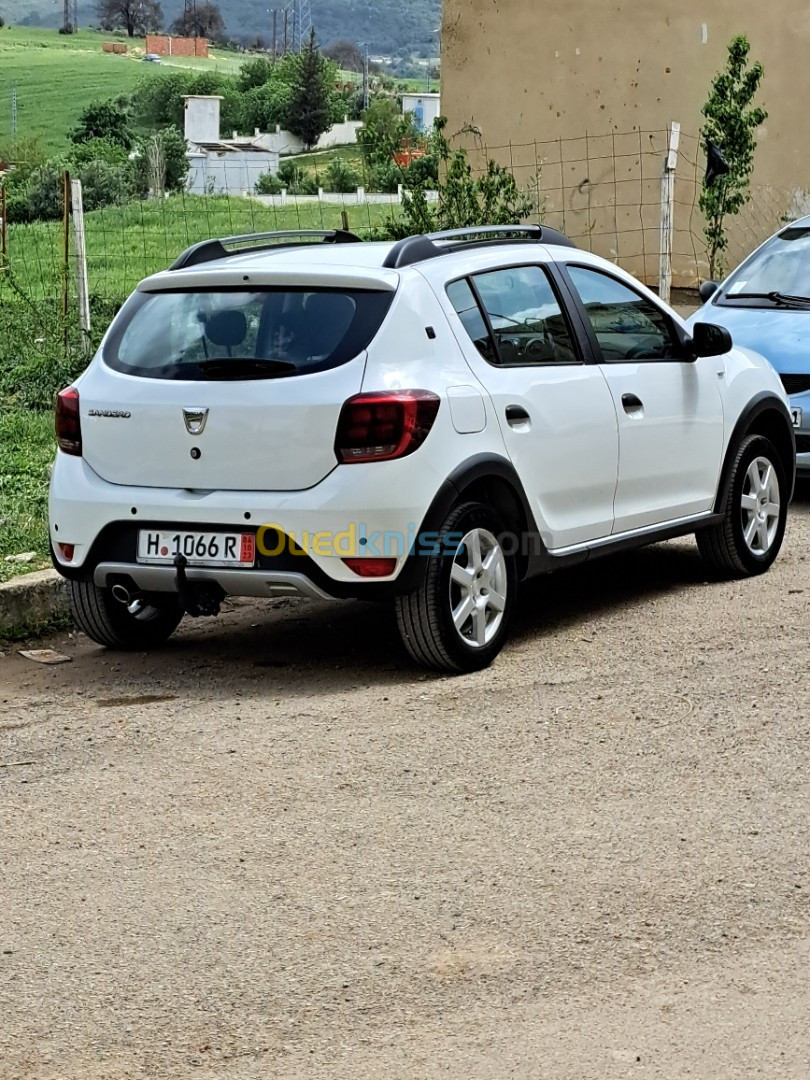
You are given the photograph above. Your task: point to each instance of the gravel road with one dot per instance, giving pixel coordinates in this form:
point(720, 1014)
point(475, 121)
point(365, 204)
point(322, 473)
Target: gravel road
point(276, 850)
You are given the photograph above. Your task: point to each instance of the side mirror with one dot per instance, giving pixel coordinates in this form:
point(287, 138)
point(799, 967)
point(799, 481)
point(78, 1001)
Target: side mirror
point(710, 340)
point(707, 290)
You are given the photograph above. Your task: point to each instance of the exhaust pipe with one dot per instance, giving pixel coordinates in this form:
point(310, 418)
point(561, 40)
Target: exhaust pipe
point(132, 602)
point(121, 594)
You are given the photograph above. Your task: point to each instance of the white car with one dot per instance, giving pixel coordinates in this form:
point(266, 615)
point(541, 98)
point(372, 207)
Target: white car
point(431, 421)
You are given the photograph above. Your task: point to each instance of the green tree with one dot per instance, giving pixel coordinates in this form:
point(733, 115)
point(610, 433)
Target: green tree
point(311, 104)
point(162, 163)
point(205, 21)
point(464, 199)
point(104, 120)
point(731, 119)
point(265, 106)
point(385, 128)
point(254, 73)
point(135, 16)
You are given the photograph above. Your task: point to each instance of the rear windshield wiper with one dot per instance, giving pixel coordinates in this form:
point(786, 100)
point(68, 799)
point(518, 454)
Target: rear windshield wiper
point(779, 298)
point(241, 367)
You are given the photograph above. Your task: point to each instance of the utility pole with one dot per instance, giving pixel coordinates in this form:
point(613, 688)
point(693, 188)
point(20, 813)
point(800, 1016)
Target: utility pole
point(14, 120)
point(275, 23)
point(365, 75)
point(286, 19)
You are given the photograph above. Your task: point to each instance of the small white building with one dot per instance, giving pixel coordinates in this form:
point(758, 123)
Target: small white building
point(425, 108)
point(221, 166)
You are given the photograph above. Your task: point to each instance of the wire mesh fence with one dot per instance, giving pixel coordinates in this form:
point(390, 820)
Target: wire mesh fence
point(604, 191)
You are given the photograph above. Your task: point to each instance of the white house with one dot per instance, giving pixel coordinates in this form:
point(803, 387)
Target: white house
point(425, 108)
point(221, 166)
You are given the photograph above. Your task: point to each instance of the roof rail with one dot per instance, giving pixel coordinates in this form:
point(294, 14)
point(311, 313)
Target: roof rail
point(415, 249)
point(212, 250)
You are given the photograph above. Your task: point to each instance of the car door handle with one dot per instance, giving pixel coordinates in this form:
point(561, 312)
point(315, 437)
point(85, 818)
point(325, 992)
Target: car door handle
point(630, 403)
point(516, 415)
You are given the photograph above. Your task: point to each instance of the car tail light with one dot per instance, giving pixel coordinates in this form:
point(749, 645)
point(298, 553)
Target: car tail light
point(372, 567)
point(67, 551)
point(67, 422)
point(382, 426)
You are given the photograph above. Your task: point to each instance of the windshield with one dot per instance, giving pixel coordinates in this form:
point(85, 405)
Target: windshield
point(231, 333)
point(781, 267)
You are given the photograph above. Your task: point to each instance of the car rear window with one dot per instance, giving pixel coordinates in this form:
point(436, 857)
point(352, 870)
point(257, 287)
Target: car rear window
point(234, 333)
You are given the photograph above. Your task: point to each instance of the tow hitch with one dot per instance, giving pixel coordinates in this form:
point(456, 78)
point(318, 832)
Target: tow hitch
point(198, 598)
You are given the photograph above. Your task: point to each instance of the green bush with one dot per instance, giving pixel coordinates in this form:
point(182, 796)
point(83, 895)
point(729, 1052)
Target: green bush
point(385, 176)
point(296, 180)
point(268, 184)
point(265, 106)
point(104, 120)
point(341, 177)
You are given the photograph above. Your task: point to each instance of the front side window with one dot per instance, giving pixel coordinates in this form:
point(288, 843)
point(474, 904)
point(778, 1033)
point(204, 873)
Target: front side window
point(626, 325)
point(528, 326)
point(230, 333)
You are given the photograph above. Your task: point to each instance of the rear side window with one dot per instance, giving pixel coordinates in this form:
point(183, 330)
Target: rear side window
point(228, 333)
point(528, 325)
point(462, 298)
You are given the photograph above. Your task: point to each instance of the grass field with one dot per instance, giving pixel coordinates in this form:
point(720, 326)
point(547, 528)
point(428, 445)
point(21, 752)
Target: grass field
point(57, 76)
point(26, 451)
point(124, 244)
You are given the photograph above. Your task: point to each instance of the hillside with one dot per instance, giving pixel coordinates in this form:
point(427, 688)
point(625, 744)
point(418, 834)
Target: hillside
point(389, 26)
point(57, 77)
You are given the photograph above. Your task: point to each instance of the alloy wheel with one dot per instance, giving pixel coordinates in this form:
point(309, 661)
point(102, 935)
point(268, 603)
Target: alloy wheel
point(761, 505)
point(478, 587)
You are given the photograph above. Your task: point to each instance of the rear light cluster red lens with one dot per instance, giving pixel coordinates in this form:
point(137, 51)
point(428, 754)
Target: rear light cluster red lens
point(67, 422)
point(382, 426)
point(67, 551)
point(370, 568)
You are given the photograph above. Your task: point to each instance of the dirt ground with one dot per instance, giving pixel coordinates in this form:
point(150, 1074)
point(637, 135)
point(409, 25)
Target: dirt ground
point(277, 850)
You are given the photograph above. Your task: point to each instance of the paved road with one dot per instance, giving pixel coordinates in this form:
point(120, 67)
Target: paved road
point(275, 850)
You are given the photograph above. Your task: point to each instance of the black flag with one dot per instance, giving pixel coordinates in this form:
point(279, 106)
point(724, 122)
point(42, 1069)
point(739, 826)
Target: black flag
point(716, 164)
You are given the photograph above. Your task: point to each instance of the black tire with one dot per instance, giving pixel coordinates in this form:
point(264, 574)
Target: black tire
point(108, 622)
point(425, 616)
point(724, 546)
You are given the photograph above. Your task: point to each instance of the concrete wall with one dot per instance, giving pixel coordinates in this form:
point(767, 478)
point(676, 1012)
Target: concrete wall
point(286, 143)
point(165, 45)
point(522, 71)
point(201, 118)
point(233, 173)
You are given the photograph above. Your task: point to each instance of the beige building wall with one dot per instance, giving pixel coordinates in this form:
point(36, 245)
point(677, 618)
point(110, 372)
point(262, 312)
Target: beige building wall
point(526, 71)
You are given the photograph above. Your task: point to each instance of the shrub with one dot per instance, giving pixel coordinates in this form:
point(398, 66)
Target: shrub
point(104, 120)
point(296, 180)
point(341, 177)
point(268, 184)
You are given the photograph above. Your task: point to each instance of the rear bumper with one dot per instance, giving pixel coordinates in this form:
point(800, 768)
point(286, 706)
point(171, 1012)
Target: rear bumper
point(154, 579)
point(357, 511)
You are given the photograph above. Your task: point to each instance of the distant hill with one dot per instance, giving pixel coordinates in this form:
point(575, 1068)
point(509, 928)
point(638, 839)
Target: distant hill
point(395, 27)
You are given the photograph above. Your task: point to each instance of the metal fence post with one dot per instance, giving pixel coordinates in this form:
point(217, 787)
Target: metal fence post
point(668, 212)
point(3, 227)
point(81, 263)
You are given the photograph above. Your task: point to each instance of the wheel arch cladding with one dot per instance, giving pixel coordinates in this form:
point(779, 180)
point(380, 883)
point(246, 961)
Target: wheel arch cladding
point(765, 415)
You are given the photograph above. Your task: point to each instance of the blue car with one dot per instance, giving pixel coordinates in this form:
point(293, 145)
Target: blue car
point(765, 304)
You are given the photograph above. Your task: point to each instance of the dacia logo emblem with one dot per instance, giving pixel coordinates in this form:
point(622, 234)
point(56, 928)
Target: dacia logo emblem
point(195, 420)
